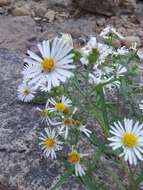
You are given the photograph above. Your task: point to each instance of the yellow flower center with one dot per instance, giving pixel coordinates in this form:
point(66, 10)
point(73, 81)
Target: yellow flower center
point(68, 122)
point(26, 92)
point(50, 142)
point(60, 107)
point(130, 140)
point(74, 157)
point(44, 113)
point(48, 64)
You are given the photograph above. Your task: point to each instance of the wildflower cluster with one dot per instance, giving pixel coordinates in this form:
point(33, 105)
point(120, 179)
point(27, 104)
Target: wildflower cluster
point(83, 86)
point(60, 126)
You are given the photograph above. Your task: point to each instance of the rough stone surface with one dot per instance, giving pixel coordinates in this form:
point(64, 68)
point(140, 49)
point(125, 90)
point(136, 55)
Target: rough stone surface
point(61, 3)
point(108, 7)
point(17, 32)
point(4, 2)
point(23, 33)
point(131, 40)
point(22, 11)
point(22, 164)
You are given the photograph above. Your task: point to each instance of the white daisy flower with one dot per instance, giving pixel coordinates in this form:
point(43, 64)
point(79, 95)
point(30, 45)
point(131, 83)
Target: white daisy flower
point(92, 42)
point(82, 128)
point(50, 143)
point(66, 125)
point(129, 137)
point(116, 71)
point(44, 114)
point(84, 60)
point(25, 92)
point(44, 87)
point(61, 105)
point(121, 51)
point(120, 70)
point(141, 106)
point(54, 65)
point(67, 38)
point(75, 158)
point(86, 50)
point(95, 77)
point(99, 76)
point(110, 30)
point(113, 86)
point(102, 51)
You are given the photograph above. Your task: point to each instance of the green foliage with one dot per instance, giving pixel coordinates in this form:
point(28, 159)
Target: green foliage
point(77, 56)
point(94, 55)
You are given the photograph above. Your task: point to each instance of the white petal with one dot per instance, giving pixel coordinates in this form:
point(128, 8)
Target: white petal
point(34, 56)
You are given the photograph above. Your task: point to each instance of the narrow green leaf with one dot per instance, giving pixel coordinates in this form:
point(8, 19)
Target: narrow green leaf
point(88, 182)
point(136, 183)
point(123, 88)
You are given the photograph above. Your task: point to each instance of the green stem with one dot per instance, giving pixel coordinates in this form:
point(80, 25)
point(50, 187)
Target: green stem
point(131, 176)
point(104, 108)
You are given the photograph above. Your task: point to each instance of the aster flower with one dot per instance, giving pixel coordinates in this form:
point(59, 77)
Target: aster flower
point(121, 51)
point(115, 71)
point(25, 92)
point(67, 38)
point(75, 159)
point(44, 87)
point(113, 85)
point(84, 60)
point(82, 128)
point(60, 105)
point(66, 125)
point(120, 70)
point(95, 77)
point(129, 137)
point(100, 76)
point(50, 143)
point(108, 74)
point(110, 30)
point(44, 114)
point(102, 52)
point(52, 67)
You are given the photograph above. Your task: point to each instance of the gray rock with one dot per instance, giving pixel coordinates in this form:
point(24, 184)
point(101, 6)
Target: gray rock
point(17, 32)
point(107, 7)
point(60, 3)
point(22, 164)
point(4, 2)
point(131, 40)
point(40, 11)
point(22, 11)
